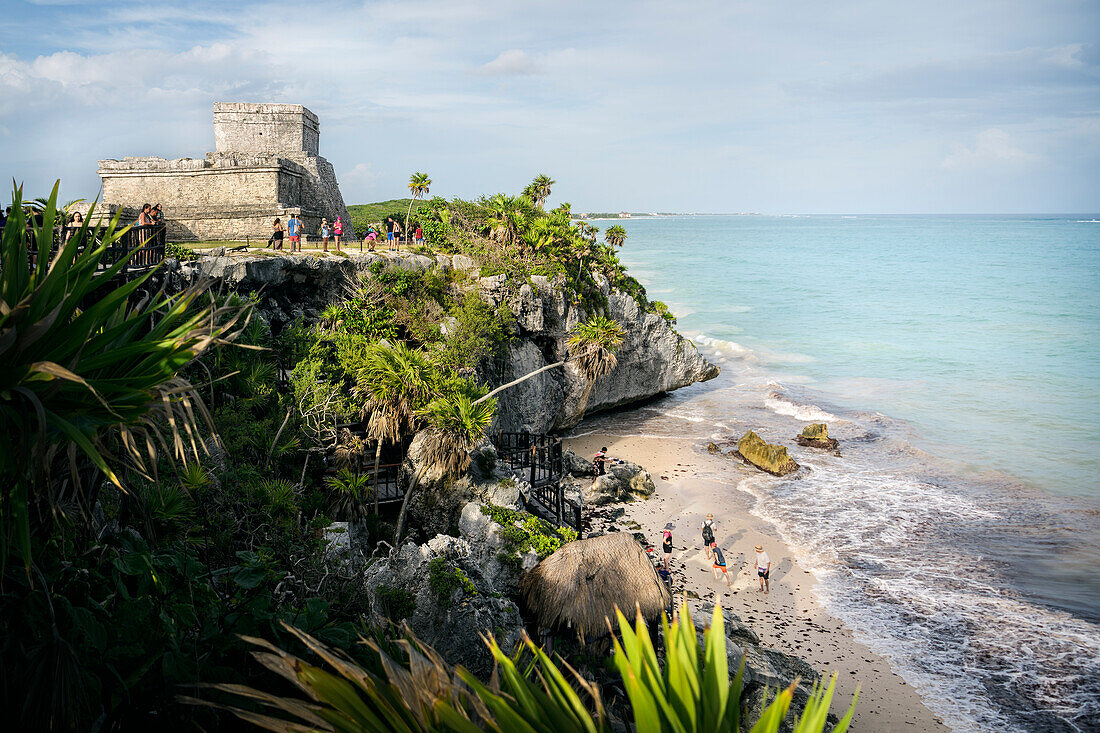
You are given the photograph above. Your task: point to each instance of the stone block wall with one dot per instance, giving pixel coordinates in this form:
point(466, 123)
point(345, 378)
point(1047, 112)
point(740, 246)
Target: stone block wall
point(265, 166)
point(265, 128)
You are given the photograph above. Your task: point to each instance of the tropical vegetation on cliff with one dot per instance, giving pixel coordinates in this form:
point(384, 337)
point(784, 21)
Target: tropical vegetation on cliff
point(171, 463)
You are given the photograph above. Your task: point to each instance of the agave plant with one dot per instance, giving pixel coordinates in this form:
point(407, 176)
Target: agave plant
point(88, 371)
point(529, 691)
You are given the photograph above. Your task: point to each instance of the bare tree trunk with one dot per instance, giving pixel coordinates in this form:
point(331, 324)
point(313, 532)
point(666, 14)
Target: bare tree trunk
point(409, 214)
point(401, 515)
point(514, 382)
point(377, 457)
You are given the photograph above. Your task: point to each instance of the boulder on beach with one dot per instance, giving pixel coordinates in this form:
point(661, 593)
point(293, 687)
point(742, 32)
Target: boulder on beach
point(767, 457)
point(817, 436)
point(624, 481)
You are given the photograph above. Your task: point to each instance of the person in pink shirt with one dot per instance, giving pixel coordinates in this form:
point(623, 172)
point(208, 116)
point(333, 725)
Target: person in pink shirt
point(338, 232)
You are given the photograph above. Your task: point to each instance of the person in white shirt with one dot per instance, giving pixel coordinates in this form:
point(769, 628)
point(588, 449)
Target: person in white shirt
point(763, 568)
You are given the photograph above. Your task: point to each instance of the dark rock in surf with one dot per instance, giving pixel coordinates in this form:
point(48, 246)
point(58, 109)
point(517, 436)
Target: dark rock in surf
point(817, 436)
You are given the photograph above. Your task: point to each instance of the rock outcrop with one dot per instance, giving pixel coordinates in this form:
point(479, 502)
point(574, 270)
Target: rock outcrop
point(652, 359)
point(448, 605)
point(623, 481)
point(767, 457)
point(817, 436)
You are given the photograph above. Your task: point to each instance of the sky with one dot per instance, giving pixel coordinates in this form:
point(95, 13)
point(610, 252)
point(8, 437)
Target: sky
point(771, 106)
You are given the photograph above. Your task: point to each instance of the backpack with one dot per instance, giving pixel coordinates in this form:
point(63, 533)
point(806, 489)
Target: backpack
point(708, 533)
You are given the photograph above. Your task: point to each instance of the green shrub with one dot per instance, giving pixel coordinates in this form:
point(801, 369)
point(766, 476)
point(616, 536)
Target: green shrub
point(397, 604)
point(179, 251)
point(523, 532)
point(445, 579)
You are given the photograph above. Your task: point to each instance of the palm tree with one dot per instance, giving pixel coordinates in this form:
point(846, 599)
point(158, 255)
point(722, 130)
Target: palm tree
point(395, 381)
point(507, 217)
point(539, 189)
point(615, 236)
point(593, 345)
point(456, 425)
point(418, 186)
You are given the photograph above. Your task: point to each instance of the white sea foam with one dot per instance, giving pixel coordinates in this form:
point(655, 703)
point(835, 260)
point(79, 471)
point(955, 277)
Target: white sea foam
point(805, 413)
point(882, 545)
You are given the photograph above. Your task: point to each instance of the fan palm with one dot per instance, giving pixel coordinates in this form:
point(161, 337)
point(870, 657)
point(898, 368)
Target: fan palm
point(539, 189)
point(82, 364)
point(395, 381)
point(615, 236)
point(456, 425)
point(593, 344)
point(507, 217)
point(418, 186)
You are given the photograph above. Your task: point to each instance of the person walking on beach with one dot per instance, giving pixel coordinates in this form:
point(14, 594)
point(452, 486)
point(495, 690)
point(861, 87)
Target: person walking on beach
point(708, 534)
point(294, 231)
point(666, 546)
point(763, 568)
point(338, 232)
point(326, 233)
point(277, 234)
point(720, 564)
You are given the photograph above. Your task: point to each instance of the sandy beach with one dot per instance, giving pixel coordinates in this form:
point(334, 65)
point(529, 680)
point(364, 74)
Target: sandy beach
point(789, 618)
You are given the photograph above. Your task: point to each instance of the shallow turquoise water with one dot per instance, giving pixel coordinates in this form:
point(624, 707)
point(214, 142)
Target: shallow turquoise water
point(983, 333)
point(957, 360)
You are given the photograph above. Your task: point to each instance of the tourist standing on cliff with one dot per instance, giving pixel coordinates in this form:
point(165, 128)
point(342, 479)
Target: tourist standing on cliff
point(708, 535)
point(294, 231)
point(277, 234)
point(338, 231)
point(145, 218)
point(326, 233)
point(389, 233)
point(763, 569)
point(419, 238)
point(372, 237)
point(397, 235)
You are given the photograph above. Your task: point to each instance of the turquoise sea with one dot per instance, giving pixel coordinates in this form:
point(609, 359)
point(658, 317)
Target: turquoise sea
point(958, 361)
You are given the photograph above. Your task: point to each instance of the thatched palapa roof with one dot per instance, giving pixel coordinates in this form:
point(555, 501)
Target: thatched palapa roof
point(580, 585)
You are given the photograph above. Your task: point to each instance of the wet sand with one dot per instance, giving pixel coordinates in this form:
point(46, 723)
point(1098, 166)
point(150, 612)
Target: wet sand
point(789, 618)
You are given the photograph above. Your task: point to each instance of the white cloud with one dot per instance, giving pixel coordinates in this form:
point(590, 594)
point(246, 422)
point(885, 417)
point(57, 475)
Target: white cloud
point(992, 147)
point(512, 62)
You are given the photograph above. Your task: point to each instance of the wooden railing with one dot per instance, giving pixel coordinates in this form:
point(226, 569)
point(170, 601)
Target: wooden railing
point(539, 458)
point(390, 487)
point(147, 244)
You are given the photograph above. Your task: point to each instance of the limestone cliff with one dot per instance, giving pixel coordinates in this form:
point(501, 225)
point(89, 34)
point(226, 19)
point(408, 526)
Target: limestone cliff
point(652, 359)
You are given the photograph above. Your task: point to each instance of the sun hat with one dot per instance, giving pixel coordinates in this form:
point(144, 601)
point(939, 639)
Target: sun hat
point(759, 548)
point(710, 516)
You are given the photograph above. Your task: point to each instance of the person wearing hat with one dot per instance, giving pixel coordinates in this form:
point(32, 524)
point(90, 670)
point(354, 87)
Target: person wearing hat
point(763, 568)
point(708, 534)
point(666, 546)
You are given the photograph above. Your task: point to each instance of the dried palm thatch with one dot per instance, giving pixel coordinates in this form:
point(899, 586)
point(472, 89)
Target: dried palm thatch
point(580, 585)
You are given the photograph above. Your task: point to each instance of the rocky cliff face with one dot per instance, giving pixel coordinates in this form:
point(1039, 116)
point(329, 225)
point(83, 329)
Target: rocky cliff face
point(652, 359)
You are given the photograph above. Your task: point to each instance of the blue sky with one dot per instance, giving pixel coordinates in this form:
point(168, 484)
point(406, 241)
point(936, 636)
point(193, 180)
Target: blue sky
point(772, 106)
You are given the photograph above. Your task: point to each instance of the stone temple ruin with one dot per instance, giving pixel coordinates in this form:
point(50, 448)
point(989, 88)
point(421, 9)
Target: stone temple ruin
point(265, 165)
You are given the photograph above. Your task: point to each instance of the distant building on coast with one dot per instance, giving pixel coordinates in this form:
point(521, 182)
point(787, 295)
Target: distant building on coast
point(265, 164)
point(624, 214)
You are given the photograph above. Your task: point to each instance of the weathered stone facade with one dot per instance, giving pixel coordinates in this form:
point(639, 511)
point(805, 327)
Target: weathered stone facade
point(265, 165)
